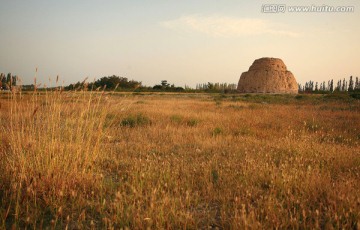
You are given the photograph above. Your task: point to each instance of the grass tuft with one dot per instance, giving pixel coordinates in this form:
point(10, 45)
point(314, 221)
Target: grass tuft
point(135, 120)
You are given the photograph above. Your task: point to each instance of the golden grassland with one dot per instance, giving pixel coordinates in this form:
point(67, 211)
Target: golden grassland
point(93, 160)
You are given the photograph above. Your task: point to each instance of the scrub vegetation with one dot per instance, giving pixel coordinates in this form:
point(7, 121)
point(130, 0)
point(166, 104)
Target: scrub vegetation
point(102, 160)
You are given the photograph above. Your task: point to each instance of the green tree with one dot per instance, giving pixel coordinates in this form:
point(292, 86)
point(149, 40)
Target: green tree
point(164, 83)
point(338, 86)
point(331, 85)
point(8, 79)
point(14, 80)
point(2, 81)
point(111, 82)
point(351, 84)
point(210, 85)
point(343, 85)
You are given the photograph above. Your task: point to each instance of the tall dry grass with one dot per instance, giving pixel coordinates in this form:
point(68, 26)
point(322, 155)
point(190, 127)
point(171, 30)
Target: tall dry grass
point(50, 141)
point(88, 160)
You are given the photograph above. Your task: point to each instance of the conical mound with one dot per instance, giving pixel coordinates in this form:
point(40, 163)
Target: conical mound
point(267, 75)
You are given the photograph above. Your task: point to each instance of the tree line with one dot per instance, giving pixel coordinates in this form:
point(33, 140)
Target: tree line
point(123, 84)
point(216, 87)
point(341, 86)
point(107, 83)
point(8, 81)
point(165, 86)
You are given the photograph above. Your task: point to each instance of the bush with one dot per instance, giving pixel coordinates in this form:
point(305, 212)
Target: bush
point(176, 119)
point(137, 120)
point(217, 131)
point(337, 96)
point(355, 95)
point(192, 122)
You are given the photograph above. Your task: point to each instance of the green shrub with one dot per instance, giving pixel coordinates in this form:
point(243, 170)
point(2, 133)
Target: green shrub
point(243, 131)
point(192, 122)
point(218, 102)
point(217, 131)
point(336, 96)
point(214, 176)
point(176, 119)
point(137, 120)
point(355, 95)
point(237, 107)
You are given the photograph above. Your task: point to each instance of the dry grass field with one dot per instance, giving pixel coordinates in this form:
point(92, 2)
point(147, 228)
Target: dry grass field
point(92, 160)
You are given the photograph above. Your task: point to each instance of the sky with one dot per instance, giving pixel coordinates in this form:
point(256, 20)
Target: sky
point(183, 42)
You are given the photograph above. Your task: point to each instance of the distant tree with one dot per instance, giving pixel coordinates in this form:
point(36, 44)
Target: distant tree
point(316, 87)
point(343, 85)
point(2, 81)
point(309, 86)
point(158, 87)
point(357, 84)
point(8, 77)
point(77, 85)
point(69, 87)
point(346, 86)
point(111, 82)
point(179, 89)
point(9, 80)
point(14, 80)
point(338, 85)
point(164, 83)
point(28, 87)
point(210, 85)
point(331, 85)
point(165, 86)
point(351, 84)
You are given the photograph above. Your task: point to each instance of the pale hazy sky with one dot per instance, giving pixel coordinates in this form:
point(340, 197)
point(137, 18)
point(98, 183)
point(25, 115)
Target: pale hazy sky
point(184, 42)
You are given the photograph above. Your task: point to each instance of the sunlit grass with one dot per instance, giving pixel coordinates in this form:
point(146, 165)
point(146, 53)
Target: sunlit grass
point(95, 160)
